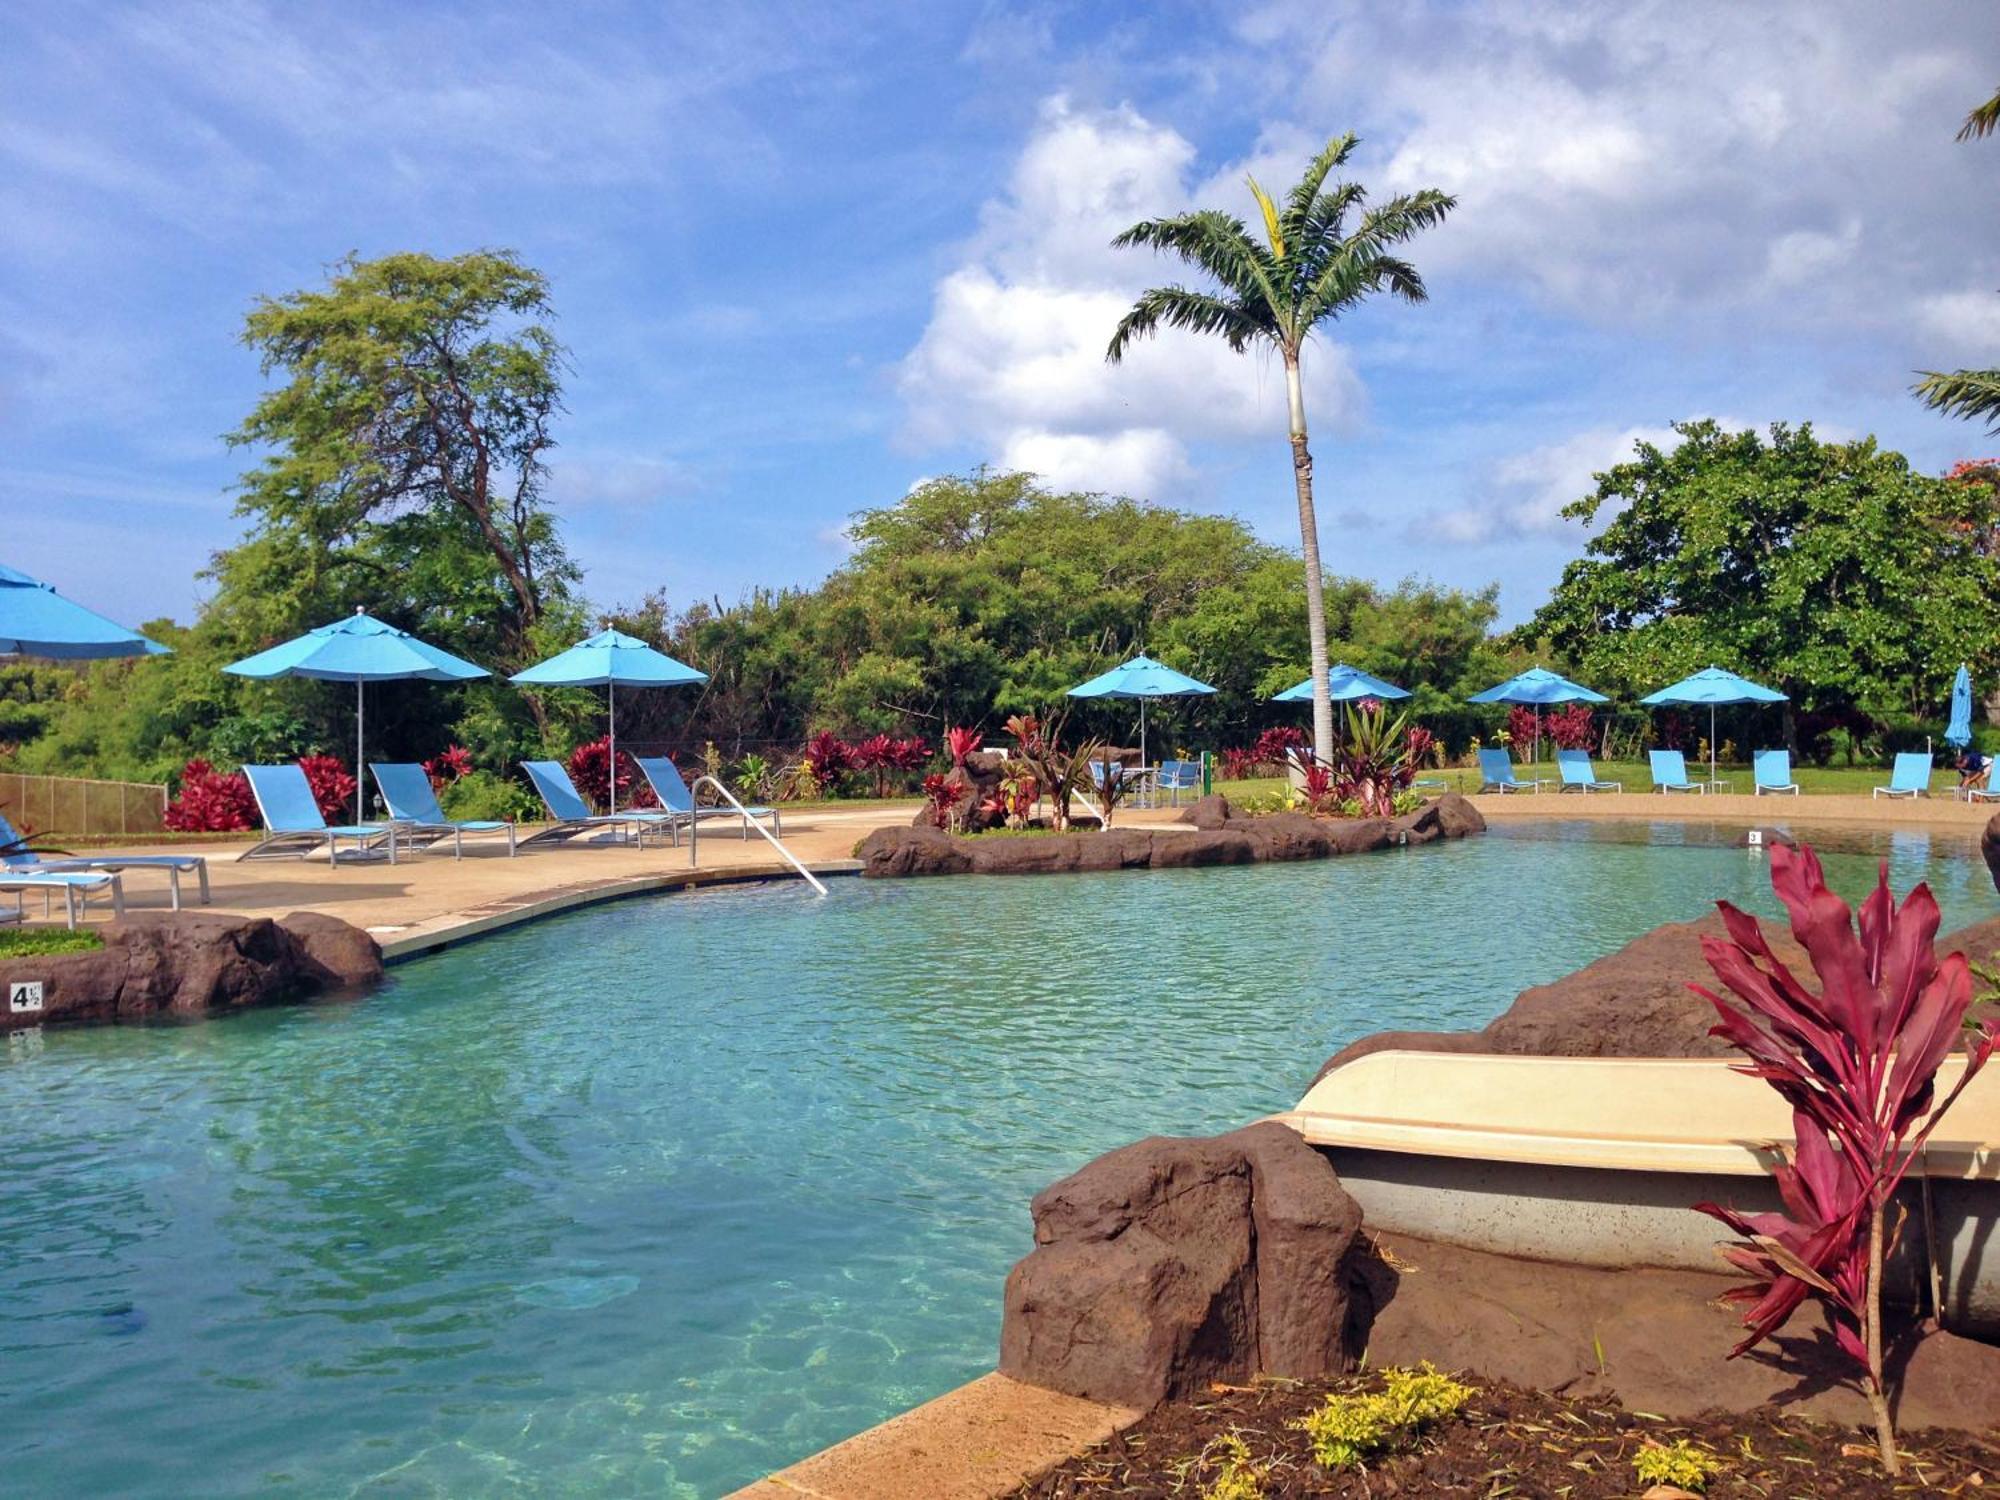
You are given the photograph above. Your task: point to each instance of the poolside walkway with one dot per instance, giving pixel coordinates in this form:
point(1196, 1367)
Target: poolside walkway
point(1741, 810)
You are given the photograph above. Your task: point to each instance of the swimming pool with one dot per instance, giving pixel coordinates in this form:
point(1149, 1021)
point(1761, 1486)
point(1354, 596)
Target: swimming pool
point(658, 1196)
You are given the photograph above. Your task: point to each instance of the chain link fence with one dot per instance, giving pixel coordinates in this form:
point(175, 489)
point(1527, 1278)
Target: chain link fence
point(68, 805)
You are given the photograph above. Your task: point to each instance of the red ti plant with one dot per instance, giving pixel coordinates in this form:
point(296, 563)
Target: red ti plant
point(1858, 1064)
point(450, 766)
point(943, 795)
point(211, 801)
point(1318, 790)
point(830, 756)
point(1570, 728)
point(590, 771)
point(959, 743)
point(885, 754)
point(332, 787)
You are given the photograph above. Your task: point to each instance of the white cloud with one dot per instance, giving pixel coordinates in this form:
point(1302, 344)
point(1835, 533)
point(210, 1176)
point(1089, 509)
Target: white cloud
point(1965, 322)
point(1526, 491)
point(1012, 359)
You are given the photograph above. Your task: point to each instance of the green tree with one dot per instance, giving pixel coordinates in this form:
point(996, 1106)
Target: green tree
point(1323, 253)
point(1974, 394)
point(1832, 571)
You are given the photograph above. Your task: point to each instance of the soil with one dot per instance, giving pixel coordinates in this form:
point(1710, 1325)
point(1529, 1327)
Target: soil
point(1513, 1442)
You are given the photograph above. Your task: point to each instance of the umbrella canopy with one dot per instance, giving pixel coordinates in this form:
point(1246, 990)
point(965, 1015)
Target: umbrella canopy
point(360, 650)
point(1959, 731)
point(606, 660)
point(37, 621)
point(1713, 686)
point(1344, 684)
point(1537, 686)
point(1141, 678)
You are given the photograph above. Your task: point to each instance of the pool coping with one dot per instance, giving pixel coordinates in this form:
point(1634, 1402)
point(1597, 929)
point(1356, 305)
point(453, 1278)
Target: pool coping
point(979, 1441)
point(455, 928)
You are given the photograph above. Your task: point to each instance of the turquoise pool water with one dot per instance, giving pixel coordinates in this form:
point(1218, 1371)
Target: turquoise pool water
point(655, 1197)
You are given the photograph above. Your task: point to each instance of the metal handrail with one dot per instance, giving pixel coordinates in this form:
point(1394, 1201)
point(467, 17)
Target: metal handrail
point(694, 830)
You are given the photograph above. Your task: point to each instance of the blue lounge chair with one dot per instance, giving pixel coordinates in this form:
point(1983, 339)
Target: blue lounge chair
point(294, 825)
point(665, 778)
point(1772, 771)
point(1578, 775)
point(1910, 777)
point(77, 888)
point(1177, 776)
point(1670, 772)
point(1496, 774)
point(406, 792)
point(573, 815)
point(17, 858)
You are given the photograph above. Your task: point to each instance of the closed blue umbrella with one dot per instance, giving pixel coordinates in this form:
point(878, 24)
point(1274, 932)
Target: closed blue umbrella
point(1715, 687)
point(1959, 732)
point(1141, 678)
point(607, 660)
point(37, 621)
point(1344, 685)
point(1535, 687)
point(360, 650)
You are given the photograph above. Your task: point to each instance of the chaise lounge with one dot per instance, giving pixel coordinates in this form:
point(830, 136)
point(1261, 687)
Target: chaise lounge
point(665, 778)
point(17, 858)
point(77, 888)
point(294, 825)
point(573, 815)
point(1670, 772)
point(1579, 775)
point(1496, 774)
point(413, 806)
point(1909, 777)
point(1771, 771)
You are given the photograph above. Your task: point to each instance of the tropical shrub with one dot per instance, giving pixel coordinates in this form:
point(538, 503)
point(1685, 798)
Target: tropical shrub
point(1316, 791)
point(1524, 725)
point(1238, 764)
point(753, 774)
point(481, 796)
point(1570, 727)
point(886, 755)
point(332, 786)
point(211, 801)
point(1237, 1476)
point(1680, 1463)
point(942, 795)
point(1373, 760)
point(1018, 792)
point(959, 743)
point(1858, 1064)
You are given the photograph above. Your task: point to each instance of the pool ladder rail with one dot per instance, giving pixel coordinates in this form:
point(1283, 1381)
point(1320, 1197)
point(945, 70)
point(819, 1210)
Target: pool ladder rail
point(694, 831)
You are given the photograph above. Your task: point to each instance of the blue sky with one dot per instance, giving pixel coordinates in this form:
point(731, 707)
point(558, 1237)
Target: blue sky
point(804, 255)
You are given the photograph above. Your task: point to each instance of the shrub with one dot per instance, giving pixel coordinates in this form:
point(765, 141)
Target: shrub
point(454, 764)
point(1858, 1064)
point(1679, 1463)
point(43, 942)
point(1570, 727)
point(885, 755)
point(1237, 765)
point(211, 801)
point(1236, 1476)
point(481, 796)
point(830, 755)
point(959, 743)
point(590, 772)
point(332, 787)
point(943, 795)
point(1347, 1430)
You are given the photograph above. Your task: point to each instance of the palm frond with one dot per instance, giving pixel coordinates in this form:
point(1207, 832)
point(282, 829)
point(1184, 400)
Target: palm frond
point(1405, 216)
point(1327, 213)
point(1218, 244)
point(1239, 324)
point(1982, 122)
point(1305, 192)
point(1273, 231)
point(1973, 394)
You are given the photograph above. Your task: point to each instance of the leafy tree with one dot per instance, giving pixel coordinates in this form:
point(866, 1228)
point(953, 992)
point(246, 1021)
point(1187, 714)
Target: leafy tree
point(1323, 254)
point(1832, 571)
point(1968, 393)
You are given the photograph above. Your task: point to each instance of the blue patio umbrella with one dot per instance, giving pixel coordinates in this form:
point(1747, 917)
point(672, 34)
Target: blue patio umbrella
point(37, 621)
point(1535, 687)
point(1713, 686)
point(1344, 685)
point(607, 660)
point(1958, 733)
point(1141, 678)
point(360, 650)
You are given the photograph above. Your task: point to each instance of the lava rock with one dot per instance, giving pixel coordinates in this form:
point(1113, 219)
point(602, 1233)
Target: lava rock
point(1171, 1263)
point(1210, 812)
point(188, 964)
point(1989, 848)
point(1448, 817)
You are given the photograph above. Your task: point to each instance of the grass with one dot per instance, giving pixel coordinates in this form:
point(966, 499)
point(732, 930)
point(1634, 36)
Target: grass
point(40, 942)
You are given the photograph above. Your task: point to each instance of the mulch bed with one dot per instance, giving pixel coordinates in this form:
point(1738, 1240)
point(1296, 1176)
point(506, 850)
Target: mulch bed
point(1512, 1442)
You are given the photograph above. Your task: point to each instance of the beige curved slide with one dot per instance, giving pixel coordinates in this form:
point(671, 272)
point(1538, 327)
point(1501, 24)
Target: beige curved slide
point(1594, 1161)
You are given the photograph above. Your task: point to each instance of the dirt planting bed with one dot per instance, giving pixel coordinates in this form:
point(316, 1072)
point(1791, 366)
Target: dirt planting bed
point(1507, 1441)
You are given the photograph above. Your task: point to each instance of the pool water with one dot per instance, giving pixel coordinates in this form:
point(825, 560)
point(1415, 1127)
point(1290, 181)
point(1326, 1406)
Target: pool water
point(656, 1197)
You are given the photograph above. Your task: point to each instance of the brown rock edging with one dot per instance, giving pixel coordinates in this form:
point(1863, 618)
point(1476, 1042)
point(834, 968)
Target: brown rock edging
point(1173, 1262)
point(1216, 836)
point(187, 964)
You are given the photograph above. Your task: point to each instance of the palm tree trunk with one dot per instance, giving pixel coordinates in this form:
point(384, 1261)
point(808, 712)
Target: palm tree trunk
point(1302, 477)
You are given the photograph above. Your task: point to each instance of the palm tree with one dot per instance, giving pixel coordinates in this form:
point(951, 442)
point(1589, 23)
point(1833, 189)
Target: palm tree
point(1968, 393)
point(1312, 267)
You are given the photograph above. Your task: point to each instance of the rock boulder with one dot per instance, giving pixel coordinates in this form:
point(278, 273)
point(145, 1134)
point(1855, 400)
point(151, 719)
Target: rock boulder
point(195, 963)
point(1171, 1263)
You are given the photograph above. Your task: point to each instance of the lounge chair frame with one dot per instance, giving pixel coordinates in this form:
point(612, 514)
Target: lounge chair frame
point(1662, 785)
point(1762, 788)
point(25, 861)
point(650, 767)
point(566, 827)
point(1513, 783)
point(297, 843)
point(77, 888)
point(1566, 760)
point(422, 832)
point(1906, 758)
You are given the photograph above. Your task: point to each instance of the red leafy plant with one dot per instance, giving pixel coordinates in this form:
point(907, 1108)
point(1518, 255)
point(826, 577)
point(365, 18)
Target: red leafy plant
point(211, 801)
point(590, 773)
point(1274, 746)
point(1375, 759)
point(830, 757)
point(885, 755)
point(1858, 1063)
point(1571, 728)
point(332, 786)
point(943, 795)
point(959, 743)
point(1238, 764)
point(454, 763)
point(1317, 790)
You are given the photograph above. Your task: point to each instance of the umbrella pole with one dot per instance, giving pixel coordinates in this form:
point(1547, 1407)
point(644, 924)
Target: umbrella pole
point(1712, 783)
point(611, 699)
point(360, 732)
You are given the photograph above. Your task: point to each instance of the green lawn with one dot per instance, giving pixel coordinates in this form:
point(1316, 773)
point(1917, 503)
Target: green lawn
point(38, 942)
